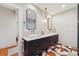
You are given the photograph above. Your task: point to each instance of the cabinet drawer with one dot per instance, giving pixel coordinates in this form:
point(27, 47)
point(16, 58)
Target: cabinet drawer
point(4, 52)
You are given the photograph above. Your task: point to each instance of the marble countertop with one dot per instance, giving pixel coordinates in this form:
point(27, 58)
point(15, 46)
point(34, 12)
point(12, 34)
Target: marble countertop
point(34, 37)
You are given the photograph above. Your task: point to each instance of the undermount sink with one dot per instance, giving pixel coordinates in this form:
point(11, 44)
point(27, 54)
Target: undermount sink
point(35, 35)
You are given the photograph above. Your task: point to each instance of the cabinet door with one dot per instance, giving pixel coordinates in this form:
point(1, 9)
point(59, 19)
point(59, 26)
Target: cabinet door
point(78, 33)
point(4, 52)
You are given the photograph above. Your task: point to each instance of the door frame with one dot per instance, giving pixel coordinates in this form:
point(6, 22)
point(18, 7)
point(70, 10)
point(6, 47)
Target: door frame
point(18, 10)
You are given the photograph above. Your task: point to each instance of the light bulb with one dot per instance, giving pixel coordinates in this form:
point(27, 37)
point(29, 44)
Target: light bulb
point(45, 20)
point(63, 6)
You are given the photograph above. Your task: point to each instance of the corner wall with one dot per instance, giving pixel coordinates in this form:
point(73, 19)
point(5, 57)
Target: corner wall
point(66, 26)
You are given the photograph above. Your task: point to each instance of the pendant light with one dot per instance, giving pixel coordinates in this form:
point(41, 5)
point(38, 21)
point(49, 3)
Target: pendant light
point(45, 19)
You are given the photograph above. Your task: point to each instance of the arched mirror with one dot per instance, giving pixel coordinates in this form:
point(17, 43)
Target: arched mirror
point(30, 20)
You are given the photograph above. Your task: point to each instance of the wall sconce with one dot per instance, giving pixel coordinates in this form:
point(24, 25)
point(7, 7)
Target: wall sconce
point(46, 19)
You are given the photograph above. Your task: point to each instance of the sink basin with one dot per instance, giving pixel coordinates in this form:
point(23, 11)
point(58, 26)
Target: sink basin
point(35, 35)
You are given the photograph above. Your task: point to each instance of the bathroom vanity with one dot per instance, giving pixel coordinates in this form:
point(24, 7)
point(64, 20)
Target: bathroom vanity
point(34, 45)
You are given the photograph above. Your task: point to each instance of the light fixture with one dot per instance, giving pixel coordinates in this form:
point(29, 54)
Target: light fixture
point(45, 19)
point(63, 6)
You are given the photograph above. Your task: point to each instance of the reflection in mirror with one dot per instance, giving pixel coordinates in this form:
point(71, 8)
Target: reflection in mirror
point(30, 20)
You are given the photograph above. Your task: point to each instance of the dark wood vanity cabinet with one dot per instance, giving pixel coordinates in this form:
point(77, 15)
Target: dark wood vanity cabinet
point(35, 47)
point(25, 44)
point(78, 31)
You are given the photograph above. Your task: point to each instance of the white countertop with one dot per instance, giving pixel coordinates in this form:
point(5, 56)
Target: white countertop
point(34, 37)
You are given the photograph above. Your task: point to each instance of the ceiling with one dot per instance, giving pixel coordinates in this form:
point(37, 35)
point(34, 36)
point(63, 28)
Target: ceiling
point(55, 8)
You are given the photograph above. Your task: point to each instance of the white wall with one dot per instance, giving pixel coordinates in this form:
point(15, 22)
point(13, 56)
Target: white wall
point(8, 28)
point(66, 26)
point(39, 19)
